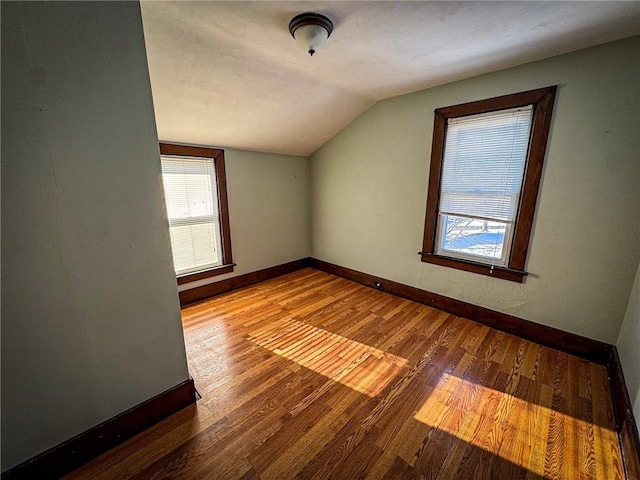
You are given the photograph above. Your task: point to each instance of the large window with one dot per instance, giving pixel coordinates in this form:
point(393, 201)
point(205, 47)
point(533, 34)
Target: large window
point(486, 164)
point(196, 199)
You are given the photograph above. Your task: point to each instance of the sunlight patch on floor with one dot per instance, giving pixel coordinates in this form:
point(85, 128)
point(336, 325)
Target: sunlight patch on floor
point(505, 425)
point(356, 365)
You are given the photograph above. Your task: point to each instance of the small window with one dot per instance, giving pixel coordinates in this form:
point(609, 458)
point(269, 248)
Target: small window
point(486, 164)
point(196, 200)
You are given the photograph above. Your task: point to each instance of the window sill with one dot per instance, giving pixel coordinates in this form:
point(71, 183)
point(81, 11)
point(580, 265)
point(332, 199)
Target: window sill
point(503, 273)
point(210, 272)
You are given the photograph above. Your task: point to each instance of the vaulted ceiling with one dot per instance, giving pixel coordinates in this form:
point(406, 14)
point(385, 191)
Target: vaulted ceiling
point(229, 74)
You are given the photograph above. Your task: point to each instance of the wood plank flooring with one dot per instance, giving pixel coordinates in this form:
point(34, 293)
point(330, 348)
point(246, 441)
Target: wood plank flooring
point(312, 376)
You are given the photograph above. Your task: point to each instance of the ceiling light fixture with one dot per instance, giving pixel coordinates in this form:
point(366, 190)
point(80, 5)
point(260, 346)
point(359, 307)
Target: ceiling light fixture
point(310, 30)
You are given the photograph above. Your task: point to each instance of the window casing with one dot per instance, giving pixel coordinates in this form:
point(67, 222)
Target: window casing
point(197, 208)
point(486, 165)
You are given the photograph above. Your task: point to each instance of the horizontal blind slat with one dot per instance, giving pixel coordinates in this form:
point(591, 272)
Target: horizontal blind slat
point(484, 163)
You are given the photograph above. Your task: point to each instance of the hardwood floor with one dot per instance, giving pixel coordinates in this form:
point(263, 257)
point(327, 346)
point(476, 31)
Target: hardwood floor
point(312, 376)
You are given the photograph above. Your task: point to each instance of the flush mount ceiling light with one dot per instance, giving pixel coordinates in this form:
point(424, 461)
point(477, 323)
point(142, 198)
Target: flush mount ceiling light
point(310, 30)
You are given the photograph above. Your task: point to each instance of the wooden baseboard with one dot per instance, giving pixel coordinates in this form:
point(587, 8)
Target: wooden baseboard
point(75, 452)
point(625, 421)
point(587, 348)
point(212, 289)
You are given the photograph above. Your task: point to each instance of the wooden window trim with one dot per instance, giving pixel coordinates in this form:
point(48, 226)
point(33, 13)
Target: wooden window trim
point(542, 100)
point(223, 205)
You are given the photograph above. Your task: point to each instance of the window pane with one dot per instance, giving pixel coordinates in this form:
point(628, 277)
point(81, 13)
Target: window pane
point(484, 161)
point(191, 195)
point(192, 207)
point(194, 247)
point(474, 237)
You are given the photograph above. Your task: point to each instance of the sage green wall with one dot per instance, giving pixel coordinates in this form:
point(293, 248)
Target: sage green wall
point(269, 211)
point(90, 315)
point(629, 346)
point(369, 183)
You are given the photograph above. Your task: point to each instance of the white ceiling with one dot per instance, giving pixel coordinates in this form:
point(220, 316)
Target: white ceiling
point(229, 74)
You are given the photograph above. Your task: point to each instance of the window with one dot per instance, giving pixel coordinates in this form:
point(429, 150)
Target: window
point(486, 164)
point(196, 199)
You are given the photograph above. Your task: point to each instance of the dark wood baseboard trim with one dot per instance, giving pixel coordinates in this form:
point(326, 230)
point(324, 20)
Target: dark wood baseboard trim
point(75, 452)
point(625, 421)
point(578, 345)
point(212, 289)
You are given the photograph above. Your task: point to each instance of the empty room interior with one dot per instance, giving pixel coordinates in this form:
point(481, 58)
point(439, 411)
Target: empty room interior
point(328, 240)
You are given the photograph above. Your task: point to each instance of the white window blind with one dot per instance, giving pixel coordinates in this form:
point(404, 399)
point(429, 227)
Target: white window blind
point(483, 166)
point(484, 161)
point(192, 207)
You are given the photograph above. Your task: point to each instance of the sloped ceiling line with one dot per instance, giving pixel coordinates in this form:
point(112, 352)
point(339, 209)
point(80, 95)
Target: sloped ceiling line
point(229, 74)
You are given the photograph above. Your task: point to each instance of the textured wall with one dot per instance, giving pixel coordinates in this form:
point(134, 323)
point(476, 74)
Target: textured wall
point(369, 184)
point(90, 315)
point(628, 343)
